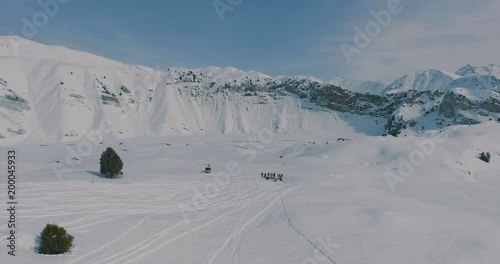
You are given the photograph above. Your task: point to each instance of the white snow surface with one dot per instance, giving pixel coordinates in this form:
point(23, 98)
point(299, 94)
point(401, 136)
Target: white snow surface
point(335, 205)
point(347, 197)
point(64, 90)
point(477, 78)
point(52, 94)
point(469, 70)
point(422, 81)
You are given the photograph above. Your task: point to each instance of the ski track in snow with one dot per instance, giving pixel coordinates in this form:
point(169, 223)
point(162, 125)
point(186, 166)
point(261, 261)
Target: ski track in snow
point(240, 229)
point(263, 195)
point(237, 244)
point(224, 205)
point(436, 216)
point(150, 241)
point(298, 232)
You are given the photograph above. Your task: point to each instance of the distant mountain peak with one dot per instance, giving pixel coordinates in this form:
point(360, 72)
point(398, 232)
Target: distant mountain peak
point(468, 70)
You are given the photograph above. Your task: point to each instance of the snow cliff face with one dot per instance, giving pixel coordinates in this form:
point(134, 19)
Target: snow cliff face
point(53, 94)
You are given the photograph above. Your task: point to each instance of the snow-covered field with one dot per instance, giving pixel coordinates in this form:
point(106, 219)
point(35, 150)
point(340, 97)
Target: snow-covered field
point(342, 201)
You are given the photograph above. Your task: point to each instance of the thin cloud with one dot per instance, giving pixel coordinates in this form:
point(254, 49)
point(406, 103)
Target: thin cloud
point(463, 35)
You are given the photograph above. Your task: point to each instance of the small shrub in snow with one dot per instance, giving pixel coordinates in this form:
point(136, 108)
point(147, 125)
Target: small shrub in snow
point(486, 157)
point(54, 240)
point(111, 164)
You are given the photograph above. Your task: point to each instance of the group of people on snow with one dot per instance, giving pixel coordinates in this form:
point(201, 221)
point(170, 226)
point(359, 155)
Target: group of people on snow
point(273, 176)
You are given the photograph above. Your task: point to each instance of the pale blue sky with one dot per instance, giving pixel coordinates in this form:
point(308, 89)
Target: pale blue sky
point(275, 37)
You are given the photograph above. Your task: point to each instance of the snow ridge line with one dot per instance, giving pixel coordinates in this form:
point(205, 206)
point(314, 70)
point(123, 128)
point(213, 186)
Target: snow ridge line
point(299, 233)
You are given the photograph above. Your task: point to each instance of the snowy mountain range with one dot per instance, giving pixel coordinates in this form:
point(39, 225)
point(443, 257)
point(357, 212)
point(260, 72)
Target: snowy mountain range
point(54, 94)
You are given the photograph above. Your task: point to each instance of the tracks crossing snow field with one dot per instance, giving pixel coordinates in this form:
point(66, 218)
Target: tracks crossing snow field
point(86, 205)
point(437, 216)
point(232, 202)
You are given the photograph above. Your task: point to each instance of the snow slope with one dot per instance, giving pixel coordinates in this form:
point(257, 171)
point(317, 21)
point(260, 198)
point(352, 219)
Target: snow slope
point(52, 94)
point(468, 70)
point(422, 81)
point(470, 77)
point(335, 205)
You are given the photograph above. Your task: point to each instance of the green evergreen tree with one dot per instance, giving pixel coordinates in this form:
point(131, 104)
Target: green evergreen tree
point(54, 240)
point(111, 164)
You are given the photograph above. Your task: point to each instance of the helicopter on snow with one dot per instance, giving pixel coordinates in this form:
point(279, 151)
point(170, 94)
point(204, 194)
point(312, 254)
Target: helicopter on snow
point(208, 169)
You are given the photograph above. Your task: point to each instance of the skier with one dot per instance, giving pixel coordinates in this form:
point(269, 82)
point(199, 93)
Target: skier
point(280, 177)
